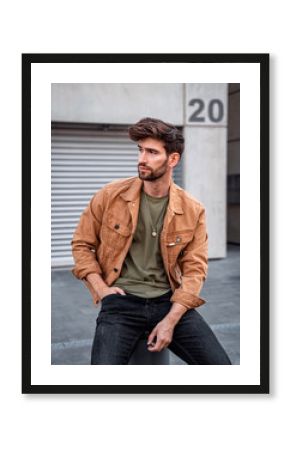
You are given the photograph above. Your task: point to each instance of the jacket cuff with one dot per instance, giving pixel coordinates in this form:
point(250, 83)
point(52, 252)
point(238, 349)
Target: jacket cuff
point(187, 299)
point(83, 273)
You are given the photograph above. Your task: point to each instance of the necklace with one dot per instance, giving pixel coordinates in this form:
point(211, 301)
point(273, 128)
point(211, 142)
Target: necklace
point(154, 228)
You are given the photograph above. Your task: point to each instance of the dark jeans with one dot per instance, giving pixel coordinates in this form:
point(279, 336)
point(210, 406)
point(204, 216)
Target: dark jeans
point(124, 319)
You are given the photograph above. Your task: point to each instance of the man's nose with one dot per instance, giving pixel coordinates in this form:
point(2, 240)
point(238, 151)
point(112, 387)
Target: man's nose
point(142, 158)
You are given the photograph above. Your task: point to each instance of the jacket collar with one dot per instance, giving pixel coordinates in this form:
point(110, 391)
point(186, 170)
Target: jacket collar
point(133, 192)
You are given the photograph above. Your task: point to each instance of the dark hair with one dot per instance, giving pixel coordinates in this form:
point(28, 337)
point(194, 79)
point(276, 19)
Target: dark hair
point(157, 129)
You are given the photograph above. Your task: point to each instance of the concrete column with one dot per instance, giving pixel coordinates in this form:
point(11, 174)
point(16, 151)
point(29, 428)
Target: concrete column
point(205, 131)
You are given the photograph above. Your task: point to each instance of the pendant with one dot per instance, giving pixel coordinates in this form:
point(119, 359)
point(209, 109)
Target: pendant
point(154, 234)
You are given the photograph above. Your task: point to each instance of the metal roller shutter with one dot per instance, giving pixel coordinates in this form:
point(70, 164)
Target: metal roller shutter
point(83, 160)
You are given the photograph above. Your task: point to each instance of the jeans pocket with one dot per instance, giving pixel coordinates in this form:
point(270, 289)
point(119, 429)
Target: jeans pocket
point(104, 299)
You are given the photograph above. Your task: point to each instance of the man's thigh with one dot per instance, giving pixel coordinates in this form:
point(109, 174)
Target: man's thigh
point(117, 332)
point(195, 343)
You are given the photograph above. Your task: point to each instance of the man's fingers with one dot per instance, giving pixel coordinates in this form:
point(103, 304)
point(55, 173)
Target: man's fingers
point(155, 347)
point(112, 290)
point(151, 337)
point(119, 291)
point(159, 344)
point(155, 343)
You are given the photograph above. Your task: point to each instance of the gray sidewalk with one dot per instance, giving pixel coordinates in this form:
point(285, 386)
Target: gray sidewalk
point(73, 315)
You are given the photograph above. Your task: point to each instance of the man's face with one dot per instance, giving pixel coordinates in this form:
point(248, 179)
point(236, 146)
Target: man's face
point(153, 160)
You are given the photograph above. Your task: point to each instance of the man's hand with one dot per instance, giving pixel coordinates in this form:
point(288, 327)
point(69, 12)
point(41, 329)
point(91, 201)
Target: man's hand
point(101, 288)
point(163, 332)
point(110, 290)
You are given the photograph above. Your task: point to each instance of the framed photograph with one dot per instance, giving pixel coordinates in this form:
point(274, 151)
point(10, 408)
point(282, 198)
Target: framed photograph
point(80, 113)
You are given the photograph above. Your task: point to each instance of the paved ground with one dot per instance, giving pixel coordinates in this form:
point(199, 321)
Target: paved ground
point(74, 315)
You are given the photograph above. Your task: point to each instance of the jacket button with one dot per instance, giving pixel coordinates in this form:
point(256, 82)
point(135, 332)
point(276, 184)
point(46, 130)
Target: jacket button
point(117, 226)
point(115, 269)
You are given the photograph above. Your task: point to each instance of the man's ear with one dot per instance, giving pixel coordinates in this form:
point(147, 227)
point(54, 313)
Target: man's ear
point(174, 159)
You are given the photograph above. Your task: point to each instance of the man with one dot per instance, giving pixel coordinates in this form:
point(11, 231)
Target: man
point(141, 249)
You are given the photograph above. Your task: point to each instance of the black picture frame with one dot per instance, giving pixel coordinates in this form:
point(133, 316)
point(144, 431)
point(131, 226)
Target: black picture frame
point(263, 61)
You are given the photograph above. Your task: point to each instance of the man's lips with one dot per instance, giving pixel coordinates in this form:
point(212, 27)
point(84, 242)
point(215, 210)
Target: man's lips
point(144, 168)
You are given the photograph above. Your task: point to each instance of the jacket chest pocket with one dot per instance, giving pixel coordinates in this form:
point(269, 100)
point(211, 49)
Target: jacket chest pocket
point(114, 233)
point(175, 242)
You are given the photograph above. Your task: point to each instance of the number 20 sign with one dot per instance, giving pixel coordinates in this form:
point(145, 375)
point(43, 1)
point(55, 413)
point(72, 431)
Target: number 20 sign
point(206, 104)
point(213, 111)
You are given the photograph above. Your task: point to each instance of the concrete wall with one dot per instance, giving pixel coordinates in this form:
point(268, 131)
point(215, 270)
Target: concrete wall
point(116, 103)
point(201, 109)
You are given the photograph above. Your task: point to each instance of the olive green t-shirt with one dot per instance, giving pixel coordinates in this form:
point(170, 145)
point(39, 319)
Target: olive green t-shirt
point(143, 272)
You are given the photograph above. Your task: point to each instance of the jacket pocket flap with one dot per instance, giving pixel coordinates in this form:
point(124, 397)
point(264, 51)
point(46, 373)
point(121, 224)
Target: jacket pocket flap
point(178, 238)
point(116, 225)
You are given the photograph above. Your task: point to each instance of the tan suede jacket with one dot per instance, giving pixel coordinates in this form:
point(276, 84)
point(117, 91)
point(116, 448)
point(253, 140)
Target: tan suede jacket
point(105, 233)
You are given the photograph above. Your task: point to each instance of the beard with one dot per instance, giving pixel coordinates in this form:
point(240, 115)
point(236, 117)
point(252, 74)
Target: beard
point(150, 174)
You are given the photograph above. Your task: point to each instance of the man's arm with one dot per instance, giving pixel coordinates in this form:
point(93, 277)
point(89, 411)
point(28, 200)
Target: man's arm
point(84, 247)
point(193, 266)
point(86, 238)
